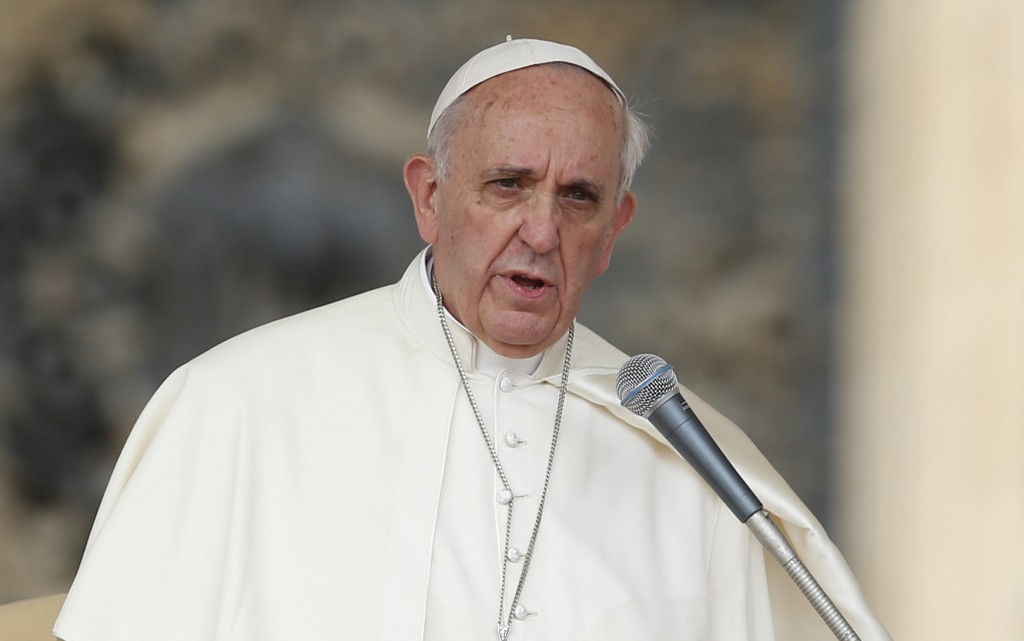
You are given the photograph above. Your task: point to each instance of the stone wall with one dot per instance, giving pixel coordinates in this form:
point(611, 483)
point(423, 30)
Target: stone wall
point(173, 172)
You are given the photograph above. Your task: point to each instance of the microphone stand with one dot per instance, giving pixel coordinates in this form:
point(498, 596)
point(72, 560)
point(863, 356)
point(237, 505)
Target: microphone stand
point(774, 541)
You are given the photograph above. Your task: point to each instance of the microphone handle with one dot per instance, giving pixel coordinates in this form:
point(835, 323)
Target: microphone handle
point(774, 541)
point(684, 431)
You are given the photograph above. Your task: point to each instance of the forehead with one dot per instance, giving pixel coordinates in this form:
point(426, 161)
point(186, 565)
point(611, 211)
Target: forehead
point(553, 107)
point(553, 85)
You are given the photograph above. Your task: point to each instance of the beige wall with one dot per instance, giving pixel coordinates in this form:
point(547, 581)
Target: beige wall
point(933, 315)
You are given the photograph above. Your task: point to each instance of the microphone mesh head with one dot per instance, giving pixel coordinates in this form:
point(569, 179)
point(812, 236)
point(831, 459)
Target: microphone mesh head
point(643, 382)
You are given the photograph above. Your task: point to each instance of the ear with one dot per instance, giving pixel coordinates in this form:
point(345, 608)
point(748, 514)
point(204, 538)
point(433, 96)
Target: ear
point(623, 215)
point(421, 182)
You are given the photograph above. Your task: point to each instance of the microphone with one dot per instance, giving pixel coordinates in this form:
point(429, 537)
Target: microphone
point(647, 386)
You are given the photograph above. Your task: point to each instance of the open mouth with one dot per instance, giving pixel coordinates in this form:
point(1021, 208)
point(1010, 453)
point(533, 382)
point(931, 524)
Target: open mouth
point(529, 283)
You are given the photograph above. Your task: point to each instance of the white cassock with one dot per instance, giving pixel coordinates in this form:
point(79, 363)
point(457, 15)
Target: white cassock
point(323, 477)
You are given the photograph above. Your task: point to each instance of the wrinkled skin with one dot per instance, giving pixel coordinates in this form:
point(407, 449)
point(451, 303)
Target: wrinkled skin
point(529, 213)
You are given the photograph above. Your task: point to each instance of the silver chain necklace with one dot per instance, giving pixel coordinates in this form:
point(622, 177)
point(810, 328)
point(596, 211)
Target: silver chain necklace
point(516, 610)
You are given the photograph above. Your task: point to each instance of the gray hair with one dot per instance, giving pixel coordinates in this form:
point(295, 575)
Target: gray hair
point(635, 145)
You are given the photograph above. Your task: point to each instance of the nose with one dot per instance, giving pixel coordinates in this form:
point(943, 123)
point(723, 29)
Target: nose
point(539, 225)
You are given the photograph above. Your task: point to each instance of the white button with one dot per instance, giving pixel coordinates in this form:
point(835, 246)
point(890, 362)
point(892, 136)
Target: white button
point(505, 384)
point(512, 439)
point(514, 554)
point(505, 496)
point(520, 612)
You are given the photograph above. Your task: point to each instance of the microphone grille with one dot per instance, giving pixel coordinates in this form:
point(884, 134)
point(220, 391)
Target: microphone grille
point(643, 381)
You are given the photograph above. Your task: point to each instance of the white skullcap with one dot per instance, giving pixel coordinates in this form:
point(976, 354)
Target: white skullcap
point(509, 56)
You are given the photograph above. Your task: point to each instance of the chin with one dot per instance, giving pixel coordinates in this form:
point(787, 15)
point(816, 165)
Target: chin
point(533, 342)
point(523, 330)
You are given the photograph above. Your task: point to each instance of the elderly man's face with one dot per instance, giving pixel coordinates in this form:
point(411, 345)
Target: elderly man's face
point(528, 214)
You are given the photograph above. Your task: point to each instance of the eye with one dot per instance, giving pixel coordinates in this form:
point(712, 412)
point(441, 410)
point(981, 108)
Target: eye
point(506, 183)
point(581, 195)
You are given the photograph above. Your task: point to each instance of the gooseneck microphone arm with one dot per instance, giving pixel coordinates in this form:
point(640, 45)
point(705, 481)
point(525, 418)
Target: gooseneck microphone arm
point(775, 542)
point(647, 386)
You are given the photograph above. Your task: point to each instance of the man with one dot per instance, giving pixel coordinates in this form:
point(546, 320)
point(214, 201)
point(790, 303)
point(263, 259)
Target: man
point(445, 458)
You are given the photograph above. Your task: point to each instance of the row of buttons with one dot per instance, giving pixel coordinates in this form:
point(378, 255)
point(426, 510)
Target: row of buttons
point(505, 496)
point(511, 438)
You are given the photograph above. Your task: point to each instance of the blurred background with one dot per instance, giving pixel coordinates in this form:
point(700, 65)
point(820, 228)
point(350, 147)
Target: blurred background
point(827, 246)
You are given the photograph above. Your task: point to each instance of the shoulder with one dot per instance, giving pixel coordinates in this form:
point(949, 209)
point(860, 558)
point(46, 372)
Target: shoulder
point(293, 371)
point(321, 334)
point(594, 354)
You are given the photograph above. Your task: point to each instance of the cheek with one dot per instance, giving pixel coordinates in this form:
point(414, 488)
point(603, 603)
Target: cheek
point(450, 227)
point(585, 257)
point(463, 246)
point(459, 237)
point(604, 257)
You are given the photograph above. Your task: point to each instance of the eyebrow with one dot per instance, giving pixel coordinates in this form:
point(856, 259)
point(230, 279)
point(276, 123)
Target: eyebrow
point(507, 171)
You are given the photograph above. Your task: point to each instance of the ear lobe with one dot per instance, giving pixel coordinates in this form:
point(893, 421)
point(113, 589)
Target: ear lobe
point(421, 183)
point(621, 219)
